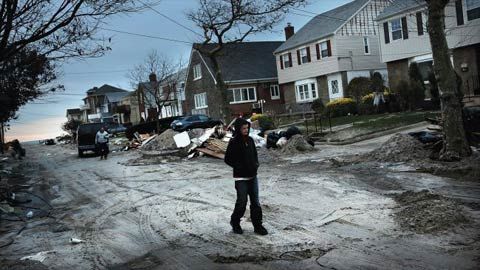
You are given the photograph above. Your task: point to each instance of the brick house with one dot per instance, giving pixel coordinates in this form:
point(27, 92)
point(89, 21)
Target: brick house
point(249, 71)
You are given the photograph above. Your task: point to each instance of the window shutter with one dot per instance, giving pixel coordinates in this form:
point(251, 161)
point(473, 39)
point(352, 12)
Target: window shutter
point(329, 48)
point(317, 47)
point(298, 58)
point(230, 95)
point(281, 61)
point(404, 28)
point(419, 23)
point(309, 59)
point(386, 32)
point(290, 59)
point(459, 11)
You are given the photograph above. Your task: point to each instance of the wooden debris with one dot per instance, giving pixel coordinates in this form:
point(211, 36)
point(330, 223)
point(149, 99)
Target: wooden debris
point(211, 153)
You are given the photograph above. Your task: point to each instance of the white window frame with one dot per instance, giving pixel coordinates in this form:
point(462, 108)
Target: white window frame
point(366, 46)
point(323, 48)
point(334, 85)
point(274, 91)
point(241, 90)
point(286, 59)
point(303, 55)
point(400, 29)
point(197, 72)
point(304, 91)
point(201, 100)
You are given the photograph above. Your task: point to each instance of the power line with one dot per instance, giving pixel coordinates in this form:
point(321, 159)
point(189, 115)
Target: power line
point(95, 72)
point(321, 14)
point(170, 19)
point(147, 36)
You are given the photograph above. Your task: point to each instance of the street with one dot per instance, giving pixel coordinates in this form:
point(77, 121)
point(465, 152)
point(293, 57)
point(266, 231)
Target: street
point(175, 215)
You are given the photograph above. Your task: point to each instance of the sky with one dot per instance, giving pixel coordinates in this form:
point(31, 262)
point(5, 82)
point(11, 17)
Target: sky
point(42, 119)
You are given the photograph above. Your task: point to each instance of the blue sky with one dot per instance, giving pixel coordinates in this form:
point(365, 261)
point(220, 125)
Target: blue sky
point(42, 118)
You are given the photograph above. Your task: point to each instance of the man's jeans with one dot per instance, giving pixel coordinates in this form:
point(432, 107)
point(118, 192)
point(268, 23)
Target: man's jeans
point(247, 188)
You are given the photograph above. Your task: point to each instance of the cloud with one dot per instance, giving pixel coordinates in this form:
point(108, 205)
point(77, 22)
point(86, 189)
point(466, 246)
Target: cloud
point(35, 130)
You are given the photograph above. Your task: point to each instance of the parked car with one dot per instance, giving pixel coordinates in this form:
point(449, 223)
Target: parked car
point(194, 121)
point(86, 137)
point(149, 127)
point(114, 128)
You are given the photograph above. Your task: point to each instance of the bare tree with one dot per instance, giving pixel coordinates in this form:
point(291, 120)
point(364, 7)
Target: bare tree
point(156, 81)
point(231, 21)
point(455, 143)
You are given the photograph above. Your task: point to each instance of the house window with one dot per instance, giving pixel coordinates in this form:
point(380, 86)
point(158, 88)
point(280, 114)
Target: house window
point(306, 91)
point(396, 29)
point(473, 9)
point(197, 72)
point(286, 60)
point(201, 100)
point(241, 95)
point(304, 55)
point(324, 49)
point(274, 92)
point(334, 85)
point(366, 45)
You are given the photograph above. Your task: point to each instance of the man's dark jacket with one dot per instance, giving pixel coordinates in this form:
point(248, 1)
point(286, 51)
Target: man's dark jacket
point(241, 153)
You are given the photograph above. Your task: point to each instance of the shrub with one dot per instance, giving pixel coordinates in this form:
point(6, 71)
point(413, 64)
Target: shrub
point(358, 87)
point(317, 106)
point(265, 121)
point(376, 82)
point(341, 107)
point(410, 94)
point(366, 106)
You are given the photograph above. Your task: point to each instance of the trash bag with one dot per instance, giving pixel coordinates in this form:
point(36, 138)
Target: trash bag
point(291, 131)
point(272, 140)
point(426, 137)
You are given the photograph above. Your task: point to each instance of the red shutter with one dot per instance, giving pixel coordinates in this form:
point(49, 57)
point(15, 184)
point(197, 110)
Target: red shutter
point(309, 59)
point(317, 47)
point(281, 61)
point(329, 48)
point(298, 58)
point(290, 59)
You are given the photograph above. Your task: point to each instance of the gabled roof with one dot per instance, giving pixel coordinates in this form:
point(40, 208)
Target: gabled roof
point(245, 61)
point(322, 25)
point(399, 6)
point(116, 96)
point(103, 90)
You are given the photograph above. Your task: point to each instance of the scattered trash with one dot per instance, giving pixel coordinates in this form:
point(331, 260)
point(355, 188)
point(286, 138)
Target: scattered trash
point(75, 241)
point(40, 256)
point(29, 214)
point(296, 144)
point(4, 207)
point(182, 139)
point(282, 142)
point(164, 141)
point(426, 136)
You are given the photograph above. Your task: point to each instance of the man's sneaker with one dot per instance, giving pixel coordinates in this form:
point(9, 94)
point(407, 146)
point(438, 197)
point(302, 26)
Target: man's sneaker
point(259, 229)
point(236, 228)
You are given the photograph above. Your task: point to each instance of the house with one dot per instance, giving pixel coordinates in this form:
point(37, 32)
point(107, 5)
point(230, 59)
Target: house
point(334, 47)
point(249, 72)
point(404, 39)
point(129, 109)
point(74, 114)
point(100, 104)
point(163, 98)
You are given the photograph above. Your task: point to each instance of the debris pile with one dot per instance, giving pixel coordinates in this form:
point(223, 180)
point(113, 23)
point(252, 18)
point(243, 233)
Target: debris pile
point(290, 141)
point(164, 141)
point(296, 144)
point(399, 148)
point(15, 149)
point(425, 212)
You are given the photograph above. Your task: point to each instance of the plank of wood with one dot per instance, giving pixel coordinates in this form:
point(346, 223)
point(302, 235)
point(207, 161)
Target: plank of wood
point(211, 153)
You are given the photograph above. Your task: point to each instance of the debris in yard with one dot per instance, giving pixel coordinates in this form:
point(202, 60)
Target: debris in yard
point(182, 139)
point(426, 136)
point(399, 148)
point(216, 145)
point(282, 142)
point(75, 241)
point(211, 153)
point(163, 141)
point(40, 256)
point(425, 212)
point(148, 140)
point(297, 144)
point(29, 214)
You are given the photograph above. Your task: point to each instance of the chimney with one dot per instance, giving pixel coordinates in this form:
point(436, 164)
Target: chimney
point(152, 77)
point(289, 31)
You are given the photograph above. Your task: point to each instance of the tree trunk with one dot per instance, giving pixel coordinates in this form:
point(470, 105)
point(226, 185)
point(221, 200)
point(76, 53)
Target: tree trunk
point(220, 95)
point(455, 142)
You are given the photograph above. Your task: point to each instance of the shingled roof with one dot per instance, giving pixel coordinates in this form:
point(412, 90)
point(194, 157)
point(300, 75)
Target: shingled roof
point(322, 25)
point(246, 61)
point(102, 90)
point(399, 6)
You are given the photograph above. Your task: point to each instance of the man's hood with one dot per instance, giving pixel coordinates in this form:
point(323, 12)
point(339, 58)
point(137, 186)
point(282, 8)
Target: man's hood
point(238, 127)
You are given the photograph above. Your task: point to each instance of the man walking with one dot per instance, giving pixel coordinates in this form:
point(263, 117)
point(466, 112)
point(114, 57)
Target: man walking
point(101, 140)
point(242, 156)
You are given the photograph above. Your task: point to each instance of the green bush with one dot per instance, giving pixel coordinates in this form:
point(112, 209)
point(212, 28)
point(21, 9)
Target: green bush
point(317, 106)
point(341, 107)
point(358, 87)
point(265, 121)
point(410, 94)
